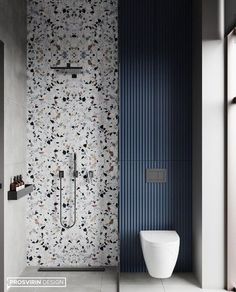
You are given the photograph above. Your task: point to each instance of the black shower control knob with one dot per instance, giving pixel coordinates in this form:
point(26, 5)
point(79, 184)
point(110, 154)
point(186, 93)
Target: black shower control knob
point(90, 174)
point(61, 173)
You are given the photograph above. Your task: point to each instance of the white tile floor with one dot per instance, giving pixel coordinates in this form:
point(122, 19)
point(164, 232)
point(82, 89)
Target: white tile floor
point(106, 282)
point(140, 282)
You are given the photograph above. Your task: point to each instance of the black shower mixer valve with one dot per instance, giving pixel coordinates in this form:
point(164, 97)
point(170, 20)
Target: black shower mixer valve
point(75, 173)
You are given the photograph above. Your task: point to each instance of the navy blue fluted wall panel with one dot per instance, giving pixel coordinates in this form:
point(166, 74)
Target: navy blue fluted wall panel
point(155, 124)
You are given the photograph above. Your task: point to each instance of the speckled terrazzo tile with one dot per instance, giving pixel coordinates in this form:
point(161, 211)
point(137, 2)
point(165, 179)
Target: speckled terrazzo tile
point(68, 115)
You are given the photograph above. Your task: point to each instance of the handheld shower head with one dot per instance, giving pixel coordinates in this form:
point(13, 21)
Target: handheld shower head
point(75, 166)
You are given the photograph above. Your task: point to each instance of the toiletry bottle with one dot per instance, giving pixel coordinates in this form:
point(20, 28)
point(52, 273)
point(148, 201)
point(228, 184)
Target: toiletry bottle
point(22, 182)
point(13, 184)
point(18, 184)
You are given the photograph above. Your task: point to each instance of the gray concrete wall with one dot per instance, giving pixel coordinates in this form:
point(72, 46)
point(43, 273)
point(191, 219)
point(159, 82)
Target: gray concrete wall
point(213, 165)
point(231, 161)
point(13, 34)
point(197, 140)
point(208, 145)
point(1, 165)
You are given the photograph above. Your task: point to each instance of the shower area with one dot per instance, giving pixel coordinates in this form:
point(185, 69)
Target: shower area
point(72, 139)
point(72, 121)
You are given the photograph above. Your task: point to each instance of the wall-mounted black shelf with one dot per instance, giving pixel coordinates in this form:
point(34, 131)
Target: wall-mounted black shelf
point(66, 68)
point(74, 69)
point(16, 195)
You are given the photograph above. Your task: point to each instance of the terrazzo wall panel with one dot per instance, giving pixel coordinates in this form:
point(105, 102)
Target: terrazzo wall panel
point(67, 115)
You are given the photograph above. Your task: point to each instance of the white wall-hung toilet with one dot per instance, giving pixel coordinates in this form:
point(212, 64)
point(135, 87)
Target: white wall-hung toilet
point(160, 251)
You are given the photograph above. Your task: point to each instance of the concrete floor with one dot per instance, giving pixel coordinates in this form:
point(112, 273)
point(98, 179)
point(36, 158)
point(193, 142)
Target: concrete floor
point(107, 282)
point(179, 282)
point(76, 281)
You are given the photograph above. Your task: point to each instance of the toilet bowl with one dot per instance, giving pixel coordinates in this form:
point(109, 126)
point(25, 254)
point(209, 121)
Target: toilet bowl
point(160, 251)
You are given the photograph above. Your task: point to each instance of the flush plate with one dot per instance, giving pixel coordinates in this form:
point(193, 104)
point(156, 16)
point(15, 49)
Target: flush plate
point(156, 175)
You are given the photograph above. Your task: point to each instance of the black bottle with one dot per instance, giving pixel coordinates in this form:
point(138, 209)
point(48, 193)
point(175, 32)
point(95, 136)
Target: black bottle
point(13, 184)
